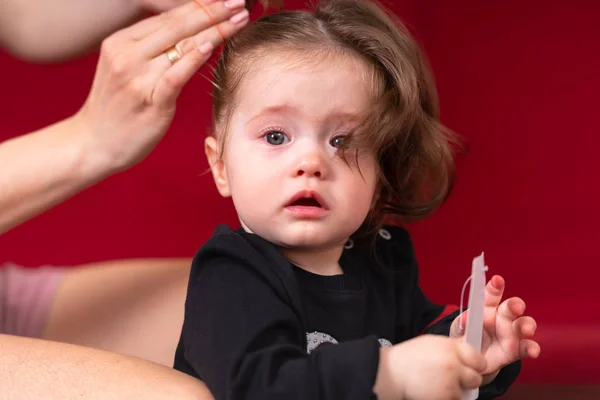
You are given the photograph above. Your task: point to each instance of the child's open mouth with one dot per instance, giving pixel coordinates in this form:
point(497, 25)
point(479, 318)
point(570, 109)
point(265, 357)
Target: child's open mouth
point(306, 202)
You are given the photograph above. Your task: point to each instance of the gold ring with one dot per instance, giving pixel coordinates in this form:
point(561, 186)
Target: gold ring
point(173, 54)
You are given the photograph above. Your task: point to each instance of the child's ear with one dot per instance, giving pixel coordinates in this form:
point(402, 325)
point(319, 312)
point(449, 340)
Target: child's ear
point(217, 166)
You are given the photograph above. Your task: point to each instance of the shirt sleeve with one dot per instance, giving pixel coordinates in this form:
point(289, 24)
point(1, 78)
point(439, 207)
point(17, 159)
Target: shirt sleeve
point(26, 296)
point(244, 340)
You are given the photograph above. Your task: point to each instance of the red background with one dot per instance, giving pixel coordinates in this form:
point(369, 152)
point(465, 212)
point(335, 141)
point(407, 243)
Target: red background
point(518, 79)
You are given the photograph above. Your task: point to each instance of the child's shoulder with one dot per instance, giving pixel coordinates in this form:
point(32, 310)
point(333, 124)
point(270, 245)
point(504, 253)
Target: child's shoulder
point(235, 251)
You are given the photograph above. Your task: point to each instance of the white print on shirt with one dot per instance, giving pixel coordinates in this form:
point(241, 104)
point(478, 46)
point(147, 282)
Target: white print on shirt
point(315, 339)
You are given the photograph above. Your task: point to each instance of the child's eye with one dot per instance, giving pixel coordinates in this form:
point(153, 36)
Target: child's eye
point(276, 138)
point(337, 141)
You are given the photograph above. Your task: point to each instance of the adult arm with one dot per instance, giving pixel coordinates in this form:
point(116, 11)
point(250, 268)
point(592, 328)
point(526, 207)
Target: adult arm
point(129, 109)
point(56, 30)
point(43, 168)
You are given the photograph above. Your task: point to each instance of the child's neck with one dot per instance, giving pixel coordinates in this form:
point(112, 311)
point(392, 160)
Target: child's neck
point(321, 262)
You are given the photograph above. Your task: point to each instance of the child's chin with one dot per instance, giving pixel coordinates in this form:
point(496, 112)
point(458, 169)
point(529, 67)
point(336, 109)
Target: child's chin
point(306, 240)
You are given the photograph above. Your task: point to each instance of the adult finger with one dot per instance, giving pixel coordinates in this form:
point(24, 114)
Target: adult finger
point(210, 37)
point(186, 24)
point(216, 34)
point(172, 81)
point(150, 25)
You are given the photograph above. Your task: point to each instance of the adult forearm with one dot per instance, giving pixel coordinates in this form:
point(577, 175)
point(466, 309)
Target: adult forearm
point(52, 31)
point(41, 169)
point(128, 111)
point(38, 369)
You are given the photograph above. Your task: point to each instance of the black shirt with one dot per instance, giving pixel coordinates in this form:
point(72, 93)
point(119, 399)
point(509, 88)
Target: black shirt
point(257, 327)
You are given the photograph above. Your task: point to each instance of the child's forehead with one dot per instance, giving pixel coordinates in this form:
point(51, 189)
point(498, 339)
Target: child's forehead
point(307, 60)
point(301, 81)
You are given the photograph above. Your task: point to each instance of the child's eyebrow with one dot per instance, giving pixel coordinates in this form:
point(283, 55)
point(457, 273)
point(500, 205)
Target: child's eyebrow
point(280, 108)
point(290, 109)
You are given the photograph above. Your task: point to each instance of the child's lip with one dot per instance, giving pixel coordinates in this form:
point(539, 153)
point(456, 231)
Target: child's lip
point(308, 194)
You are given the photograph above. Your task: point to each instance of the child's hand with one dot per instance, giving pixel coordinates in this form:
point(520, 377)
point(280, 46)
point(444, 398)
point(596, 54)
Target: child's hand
point(428, 367)
point(505, 330)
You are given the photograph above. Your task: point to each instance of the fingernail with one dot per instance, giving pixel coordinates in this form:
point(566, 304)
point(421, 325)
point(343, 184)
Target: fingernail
point(206, 48)
point(239, 17)
point(233, 4)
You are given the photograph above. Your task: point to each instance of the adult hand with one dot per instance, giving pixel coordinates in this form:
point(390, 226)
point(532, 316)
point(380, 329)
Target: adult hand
point(162, 5)
point(133, 98)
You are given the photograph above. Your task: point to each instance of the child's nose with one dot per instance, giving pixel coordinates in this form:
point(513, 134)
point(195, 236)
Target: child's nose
point(311, 166)
point(310, 171)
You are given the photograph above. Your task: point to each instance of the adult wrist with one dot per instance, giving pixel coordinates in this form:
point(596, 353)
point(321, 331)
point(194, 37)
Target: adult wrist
point(94, 163)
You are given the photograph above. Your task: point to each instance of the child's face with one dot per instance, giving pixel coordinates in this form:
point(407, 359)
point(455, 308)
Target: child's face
point(281, 145)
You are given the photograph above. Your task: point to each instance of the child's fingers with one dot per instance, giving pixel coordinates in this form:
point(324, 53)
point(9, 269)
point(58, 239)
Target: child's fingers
point(494, 291)
point(471, 357)
point(529, 348)
point(457, 329)
point(469, 378)
point(524, 326)
point(511, 309)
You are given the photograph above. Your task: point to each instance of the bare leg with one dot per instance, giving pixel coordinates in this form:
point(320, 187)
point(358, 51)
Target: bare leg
point(38, 369)
point(132, 307)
